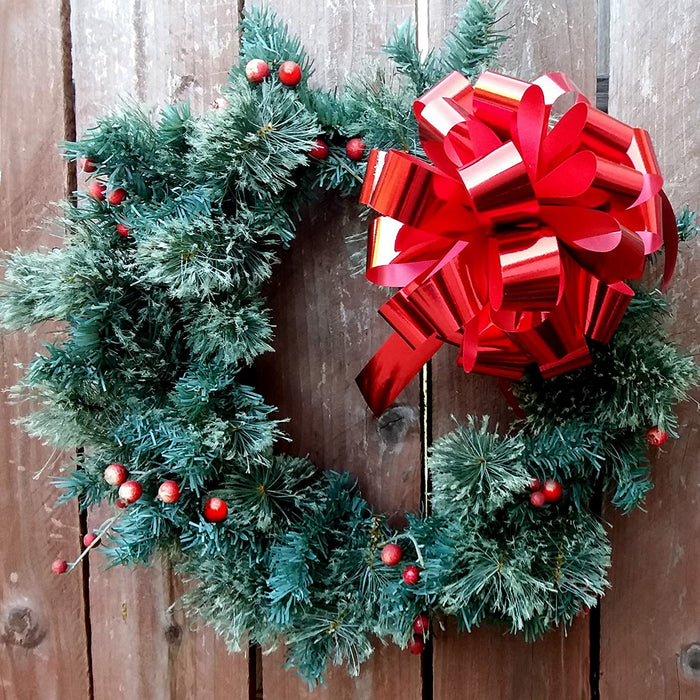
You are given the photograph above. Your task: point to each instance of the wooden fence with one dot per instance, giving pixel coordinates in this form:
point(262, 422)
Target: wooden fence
point(109, 634)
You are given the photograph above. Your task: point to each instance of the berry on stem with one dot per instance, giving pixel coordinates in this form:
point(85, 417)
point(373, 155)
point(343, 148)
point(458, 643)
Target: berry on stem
point(116, 196)
point(130, 491)
point(355, 149)
point(89, 538)
point(97, 190)
point(421, 624)
point(552, 491)
point(115, 474)
point(123, 230)
point(60, 566)
point(538, 499)
point(169, 492)
point(289, 73)
point(411, 574)
point(215, 510)
point(391, 554)
point(319, 151)
point(256, 70)
point(120, 504)
point(656, 437)
point(416, 645)
point(86, 165)
point(535, 484)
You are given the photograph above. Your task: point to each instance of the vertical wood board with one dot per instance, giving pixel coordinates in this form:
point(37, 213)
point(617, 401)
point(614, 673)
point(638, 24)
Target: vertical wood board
point(42, 629)
point(543, 37)
point(154, 52)
point(650, 620)
point(326, 329)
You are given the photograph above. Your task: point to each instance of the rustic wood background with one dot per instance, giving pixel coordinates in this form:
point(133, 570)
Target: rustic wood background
point(108, 634)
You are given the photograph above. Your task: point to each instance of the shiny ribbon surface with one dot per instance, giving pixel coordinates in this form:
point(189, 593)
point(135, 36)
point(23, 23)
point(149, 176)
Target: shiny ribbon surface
point(515, 241)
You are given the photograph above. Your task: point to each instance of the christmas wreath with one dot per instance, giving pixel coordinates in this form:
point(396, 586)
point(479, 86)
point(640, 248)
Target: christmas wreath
point(515, 244)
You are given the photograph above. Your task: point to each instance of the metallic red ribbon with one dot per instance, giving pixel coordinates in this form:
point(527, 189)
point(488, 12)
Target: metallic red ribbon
point(515, 242)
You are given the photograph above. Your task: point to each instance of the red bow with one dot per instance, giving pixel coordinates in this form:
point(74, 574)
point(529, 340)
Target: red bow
point(514, 243)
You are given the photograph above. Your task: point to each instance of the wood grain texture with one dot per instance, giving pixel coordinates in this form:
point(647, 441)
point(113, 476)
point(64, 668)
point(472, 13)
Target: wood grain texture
point(156, 52)
point(650, 618)
point(327, 328)
point(42, 629)
point(544, 36)
point(552, 36)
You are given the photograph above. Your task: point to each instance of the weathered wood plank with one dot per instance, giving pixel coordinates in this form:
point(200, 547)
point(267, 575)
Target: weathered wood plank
point(649, 618)
point(327, 327)
point(154, 52)
point(42, 616)
point(552, 36)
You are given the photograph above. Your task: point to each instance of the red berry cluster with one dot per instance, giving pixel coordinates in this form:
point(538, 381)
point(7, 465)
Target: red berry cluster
point(421, 625)
point(290, 74)
point(215, 509)
point(656, 437)
point(391, 556)
point(550, 491)
point(98, 191)
point(354, 148)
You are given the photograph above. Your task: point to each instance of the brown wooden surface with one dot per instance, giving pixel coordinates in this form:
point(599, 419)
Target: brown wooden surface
point(545, 36)
point(651, 618)
point(165, 50)
point(156, 51)
point(326, 329)
point(42, 621)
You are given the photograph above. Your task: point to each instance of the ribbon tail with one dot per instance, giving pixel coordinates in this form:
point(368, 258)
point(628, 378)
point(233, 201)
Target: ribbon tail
point(393, 366)
point(506, 388)
point(670, 240)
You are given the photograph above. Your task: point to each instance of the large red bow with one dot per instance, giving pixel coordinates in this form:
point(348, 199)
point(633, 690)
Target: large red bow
point(515, 243)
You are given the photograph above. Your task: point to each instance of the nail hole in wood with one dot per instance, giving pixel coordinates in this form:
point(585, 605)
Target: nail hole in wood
point(690, 660)
point(21, 627)
point(173, 633)
point(394, 423)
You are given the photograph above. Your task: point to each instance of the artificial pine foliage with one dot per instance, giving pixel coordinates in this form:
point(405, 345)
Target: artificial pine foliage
point(162, 317)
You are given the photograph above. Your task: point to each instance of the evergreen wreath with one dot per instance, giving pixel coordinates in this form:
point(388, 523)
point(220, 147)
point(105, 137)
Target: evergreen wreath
point(158, 287)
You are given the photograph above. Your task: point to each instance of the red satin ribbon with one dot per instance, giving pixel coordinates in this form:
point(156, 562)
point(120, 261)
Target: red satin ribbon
point(514, 243)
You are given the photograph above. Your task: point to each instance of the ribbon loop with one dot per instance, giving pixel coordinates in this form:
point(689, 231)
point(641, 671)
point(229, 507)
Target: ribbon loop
point(515, 241)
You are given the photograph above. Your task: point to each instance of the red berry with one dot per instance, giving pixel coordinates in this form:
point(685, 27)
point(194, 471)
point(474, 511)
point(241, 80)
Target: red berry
point(535, 484)
point(421, 624)
point(215, 510)
point(115, 474)
point(130, 491)
point(290, 73)
point(537, 499)
point(89, 538)
point(355, 149)
point(391, 554)
point(86, 165)
point(123, 230)
point(256, 70)
point(116, 196)
point(120, 503)
point(96, 190)
point(656, 437)
point(411, 574)
point(169, 492)
point(416, 645)
point(60, 566)
point(220, 103)
point(552, 491)
point(319, 151)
